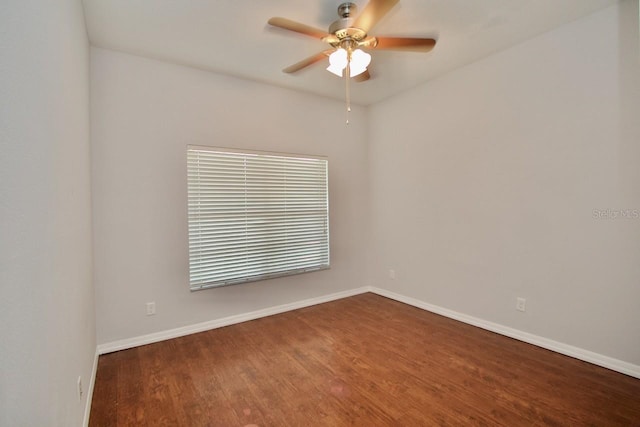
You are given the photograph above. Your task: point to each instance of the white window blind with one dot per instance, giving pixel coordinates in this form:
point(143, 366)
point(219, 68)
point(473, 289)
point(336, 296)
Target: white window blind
point(255, 216)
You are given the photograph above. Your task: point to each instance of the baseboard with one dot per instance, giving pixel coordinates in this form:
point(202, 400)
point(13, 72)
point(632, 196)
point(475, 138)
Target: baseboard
point(568, 350)
point(226, 321)
point(92, 381)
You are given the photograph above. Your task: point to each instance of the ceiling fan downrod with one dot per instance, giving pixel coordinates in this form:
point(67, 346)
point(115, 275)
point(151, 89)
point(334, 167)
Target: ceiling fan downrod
point(345, 10)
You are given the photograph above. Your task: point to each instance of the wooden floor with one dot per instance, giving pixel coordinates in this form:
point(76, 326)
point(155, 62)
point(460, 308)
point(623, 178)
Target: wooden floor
point(365, 361)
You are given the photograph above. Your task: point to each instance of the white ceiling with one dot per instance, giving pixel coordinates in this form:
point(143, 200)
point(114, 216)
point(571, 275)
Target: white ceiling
point(233, 37)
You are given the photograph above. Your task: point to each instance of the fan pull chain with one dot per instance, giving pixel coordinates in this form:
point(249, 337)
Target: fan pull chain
point(347, 77)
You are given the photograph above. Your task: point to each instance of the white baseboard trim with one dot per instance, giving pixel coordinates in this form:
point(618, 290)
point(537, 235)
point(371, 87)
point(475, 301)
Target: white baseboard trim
point(226, 321)
point(568, 350)
point(89, 398)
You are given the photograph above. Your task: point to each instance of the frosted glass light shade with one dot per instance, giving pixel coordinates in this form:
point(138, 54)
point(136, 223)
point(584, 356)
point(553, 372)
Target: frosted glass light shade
point(360, 60)
point(337, 62)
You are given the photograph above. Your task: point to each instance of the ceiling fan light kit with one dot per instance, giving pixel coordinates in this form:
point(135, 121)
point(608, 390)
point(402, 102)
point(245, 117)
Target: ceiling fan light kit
point(348, 36)
point(357, 60)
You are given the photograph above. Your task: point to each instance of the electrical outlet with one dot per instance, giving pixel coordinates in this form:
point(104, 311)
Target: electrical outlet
point(151, 308)
point(79, 388)
point(521, 304)
point(392, 274)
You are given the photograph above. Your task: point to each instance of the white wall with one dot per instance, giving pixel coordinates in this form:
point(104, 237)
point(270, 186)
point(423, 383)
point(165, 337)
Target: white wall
point(47, 323)
point(144, 113)
point(485, 181)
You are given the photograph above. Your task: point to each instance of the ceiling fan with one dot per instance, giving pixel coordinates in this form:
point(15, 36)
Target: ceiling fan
point(347, 35)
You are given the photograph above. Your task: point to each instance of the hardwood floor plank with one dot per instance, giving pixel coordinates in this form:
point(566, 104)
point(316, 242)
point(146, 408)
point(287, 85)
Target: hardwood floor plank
point(130, 404)
point(364, 360)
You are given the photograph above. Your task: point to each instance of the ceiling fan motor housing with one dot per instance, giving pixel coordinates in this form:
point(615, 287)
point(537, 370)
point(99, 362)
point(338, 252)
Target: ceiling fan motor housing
point(342, 28)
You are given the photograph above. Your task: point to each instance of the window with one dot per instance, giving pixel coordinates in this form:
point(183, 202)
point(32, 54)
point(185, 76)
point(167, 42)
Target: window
point(255, 215)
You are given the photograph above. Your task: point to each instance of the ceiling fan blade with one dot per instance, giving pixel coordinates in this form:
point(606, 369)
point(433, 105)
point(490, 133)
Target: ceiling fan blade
point(290, 25)
point(412, 44)
point(373, 12)
point(362, 77)
point(308, 61)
